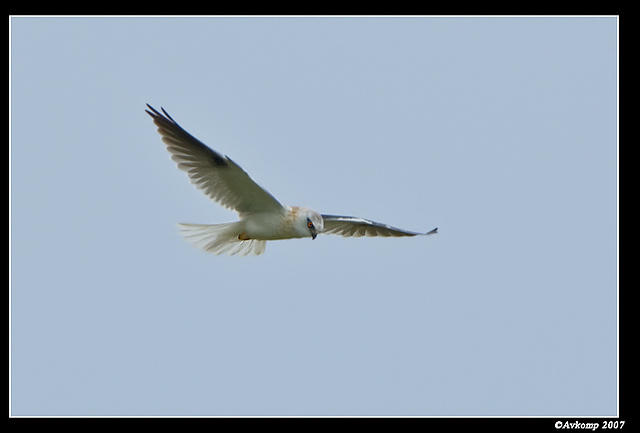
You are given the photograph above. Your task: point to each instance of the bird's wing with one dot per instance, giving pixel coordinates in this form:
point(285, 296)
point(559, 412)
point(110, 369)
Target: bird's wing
point(218, 176)
point(354, 226)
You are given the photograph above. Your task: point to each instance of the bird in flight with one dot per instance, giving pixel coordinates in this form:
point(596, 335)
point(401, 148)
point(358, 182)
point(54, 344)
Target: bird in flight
point(262, 217)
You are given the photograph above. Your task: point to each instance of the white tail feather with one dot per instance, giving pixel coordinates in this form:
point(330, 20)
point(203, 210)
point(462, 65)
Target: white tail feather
point(221, 239)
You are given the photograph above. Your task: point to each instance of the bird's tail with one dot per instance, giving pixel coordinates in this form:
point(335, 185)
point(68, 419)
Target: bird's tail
point(221, 239)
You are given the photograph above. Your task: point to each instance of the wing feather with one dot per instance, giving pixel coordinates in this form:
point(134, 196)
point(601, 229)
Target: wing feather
point(216, 175)
point(357, 227)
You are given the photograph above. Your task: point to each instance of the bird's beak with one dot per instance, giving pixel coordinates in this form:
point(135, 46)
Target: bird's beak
point(314, 233)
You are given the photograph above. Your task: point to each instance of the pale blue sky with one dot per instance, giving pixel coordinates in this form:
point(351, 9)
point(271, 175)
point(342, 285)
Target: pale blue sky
point(499, 131)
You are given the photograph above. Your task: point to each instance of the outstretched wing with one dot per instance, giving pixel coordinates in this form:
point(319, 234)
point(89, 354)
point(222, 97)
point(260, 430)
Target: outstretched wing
point(354, 226)
point(218, 176)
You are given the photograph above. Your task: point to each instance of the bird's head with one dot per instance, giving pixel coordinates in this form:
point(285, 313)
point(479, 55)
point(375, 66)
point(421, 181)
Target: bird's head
point(310, 222)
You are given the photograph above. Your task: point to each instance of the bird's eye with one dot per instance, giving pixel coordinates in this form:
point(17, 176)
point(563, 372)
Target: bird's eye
point(309, 224)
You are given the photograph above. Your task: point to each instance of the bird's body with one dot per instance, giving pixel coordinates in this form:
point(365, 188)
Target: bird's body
point(262, 217)
point(290, 224)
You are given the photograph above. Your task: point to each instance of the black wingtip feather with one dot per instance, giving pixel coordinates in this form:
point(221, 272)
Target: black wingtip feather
point(152, 109)
point(163, 115)
point(153, 113)
point(167, 114)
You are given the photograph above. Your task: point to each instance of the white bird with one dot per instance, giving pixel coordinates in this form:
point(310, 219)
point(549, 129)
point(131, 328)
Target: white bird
point(262, 217)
